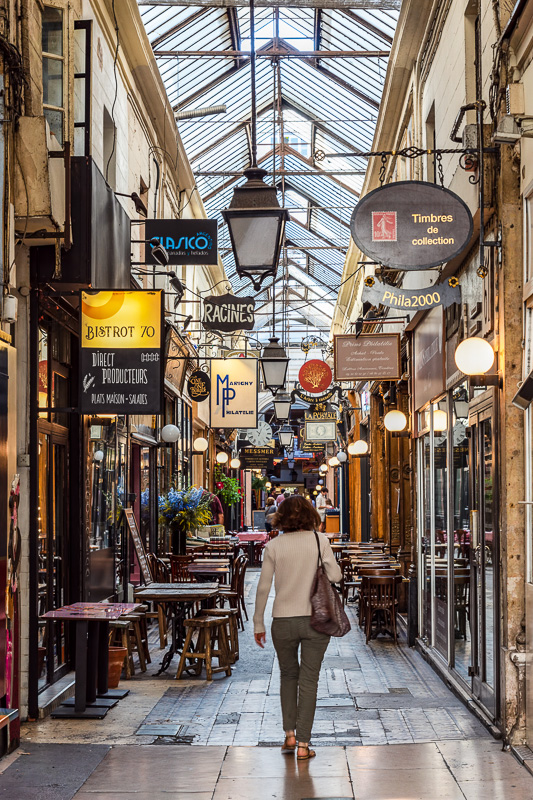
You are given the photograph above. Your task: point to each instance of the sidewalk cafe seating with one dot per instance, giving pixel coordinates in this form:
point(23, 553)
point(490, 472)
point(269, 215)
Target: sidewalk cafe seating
point(232, 630)
point(212, 641)
point(235, 593)
point(178, 569)
point(381, 601)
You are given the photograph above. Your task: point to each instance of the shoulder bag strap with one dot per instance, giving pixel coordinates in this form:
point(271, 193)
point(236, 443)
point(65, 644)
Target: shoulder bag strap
point(320, 562)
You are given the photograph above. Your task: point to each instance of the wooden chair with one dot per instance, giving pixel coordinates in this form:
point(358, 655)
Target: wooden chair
point(348, 581)
point(381, 599)
point(365, 574)
point(160, 574)
point(212, 641)
point(235, 593)
point(178, 569)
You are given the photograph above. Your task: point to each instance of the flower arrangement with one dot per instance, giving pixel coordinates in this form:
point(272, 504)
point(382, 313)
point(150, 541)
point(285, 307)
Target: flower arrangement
point(228, 489)
point(188, 508)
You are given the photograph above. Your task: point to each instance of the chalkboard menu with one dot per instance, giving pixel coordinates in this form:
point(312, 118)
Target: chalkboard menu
point(121, 352)
point(138, 544)
point(372, 356)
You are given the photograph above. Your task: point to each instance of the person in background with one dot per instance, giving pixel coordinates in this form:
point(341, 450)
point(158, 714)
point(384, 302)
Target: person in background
point(270, 510)
point(291, 560)
point(321, 507)
point(280, 498)
point(296, 492)
point(217, 512)
point(329, 504)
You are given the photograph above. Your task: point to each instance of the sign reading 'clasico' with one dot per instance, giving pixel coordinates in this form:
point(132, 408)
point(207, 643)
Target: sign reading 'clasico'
point(121, 352)
point(411, 225)
point(228, 313)
point(442, 294)
point(233, 399)
point(187, 241)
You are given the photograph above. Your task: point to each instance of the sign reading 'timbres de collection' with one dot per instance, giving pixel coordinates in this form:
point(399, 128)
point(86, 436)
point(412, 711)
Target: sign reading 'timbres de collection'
point(121, 352)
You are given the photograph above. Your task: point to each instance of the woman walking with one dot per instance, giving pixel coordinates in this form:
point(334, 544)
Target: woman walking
point(270, 510)
point(292, 560)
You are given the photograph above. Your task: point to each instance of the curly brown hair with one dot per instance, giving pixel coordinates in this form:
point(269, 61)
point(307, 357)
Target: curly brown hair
point(296, 514)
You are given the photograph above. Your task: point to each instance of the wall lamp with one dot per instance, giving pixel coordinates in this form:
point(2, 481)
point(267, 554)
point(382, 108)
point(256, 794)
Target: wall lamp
point(474, 356)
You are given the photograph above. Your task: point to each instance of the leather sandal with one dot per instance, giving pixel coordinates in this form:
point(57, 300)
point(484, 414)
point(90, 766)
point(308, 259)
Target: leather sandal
point(288, 748)
point(309, 754)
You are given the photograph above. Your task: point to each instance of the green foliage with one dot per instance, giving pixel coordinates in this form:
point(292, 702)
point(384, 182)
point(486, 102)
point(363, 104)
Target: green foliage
point(259, 484)
point(228, 489)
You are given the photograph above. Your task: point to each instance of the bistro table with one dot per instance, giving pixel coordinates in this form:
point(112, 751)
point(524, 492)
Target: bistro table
point(92, 697)
point(178, 596)
point(217, 571)
point(251, 539)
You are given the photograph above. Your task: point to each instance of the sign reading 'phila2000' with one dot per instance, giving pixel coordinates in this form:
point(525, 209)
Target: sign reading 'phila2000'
point(411, 225)
point(187, 241)
point(121, 352)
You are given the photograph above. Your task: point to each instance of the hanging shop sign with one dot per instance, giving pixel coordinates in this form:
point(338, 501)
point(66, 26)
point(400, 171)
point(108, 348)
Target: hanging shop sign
point(442, 294)
point(199, 386)
point(233, 399)
point(228, 313)
point(320, 430)
point(257, 458)
point(187, 241)
point(312, 399)
point(121, 352)
point(411, 225)
point(371, 356)
point(315, 376)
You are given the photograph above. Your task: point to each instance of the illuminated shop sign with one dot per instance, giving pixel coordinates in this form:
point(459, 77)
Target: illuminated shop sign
point(233, 398)
point(411, 225)
point(121, 352)
point(187, 241)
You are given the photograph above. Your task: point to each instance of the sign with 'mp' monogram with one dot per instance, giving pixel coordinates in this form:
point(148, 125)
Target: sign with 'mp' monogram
point(234, 387)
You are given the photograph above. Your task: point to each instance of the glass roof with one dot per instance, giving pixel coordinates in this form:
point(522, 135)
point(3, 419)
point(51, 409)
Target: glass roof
point(306, 105)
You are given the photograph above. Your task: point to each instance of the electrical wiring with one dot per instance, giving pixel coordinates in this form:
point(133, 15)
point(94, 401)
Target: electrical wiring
point(115, 61)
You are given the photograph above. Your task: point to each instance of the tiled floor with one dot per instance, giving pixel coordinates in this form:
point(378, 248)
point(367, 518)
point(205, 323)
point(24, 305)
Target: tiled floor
point(220, 741)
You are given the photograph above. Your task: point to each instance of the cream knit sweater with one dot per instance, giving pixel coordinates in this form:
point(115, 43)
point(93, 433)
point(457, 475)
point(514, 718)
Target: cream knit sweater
point(291, 559)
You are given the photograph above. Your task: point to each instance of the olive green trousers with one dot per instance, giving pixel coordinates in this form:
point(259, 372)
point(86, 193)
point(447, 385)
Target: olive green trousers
point(299, 678)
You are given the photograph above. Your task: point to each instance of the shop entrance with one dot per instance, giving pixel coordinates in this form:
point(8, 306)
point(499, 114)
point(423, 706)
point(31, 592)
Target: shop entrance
point(484, 553)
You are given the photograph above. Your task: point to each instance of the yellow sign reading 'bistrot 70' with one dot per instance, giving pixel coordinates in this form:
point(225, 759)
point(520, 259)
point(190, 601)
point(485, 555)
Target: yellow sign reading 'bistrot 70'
point(121, 356)
point(121, 319)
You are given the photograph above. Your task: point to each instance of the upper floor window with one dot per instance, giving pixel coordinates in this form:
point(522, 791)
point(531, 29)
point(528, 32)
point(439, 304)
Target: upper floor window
point(53, 70)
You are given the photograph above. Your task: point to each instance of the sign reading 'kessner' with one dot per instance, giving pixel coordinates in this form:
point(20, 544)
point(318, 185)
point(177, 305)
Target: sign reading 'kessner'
point(228, 313)
point(121, 352)
point(411, 225)
point(233, 399)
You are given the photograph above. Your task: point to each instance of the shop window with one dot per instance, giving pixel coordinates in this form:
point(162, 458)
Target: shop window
point(53, 70)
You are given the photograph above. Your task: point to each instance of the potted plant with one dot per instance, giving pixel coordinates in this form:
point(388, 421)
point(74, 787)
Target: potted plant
point(228, 489)
point(183, 511)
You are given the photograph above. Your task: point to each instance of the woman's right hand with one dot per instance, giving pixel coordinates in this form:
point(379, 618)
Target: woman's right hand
point(260, 639)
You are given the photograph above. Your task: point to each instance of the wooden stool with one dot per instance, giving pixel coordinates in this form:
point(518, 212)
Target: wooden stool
point(211, 630)
point(143, 613)
point(134, 621)
point(119, 633)
point(232, 630)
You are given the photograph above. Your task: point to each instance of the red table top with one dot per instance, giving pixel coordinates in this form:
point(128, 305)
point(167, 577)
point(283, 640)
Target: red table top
point(91, 611)
point(253, 537)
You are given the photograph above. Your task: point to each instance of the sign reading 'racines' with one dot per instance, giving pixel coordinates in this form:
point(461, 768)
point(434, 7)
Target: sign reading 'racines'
point(411, 225)
point(228, 313)
point(121, 352)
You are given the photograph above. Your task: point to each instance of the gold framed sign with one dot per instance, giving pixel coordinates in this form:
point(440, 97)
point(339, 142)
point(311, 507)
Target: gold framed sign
point(370, 356)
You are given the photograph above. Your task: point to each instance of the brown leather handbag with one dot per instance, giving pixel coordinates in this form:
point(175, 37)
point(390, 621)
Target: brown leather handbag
point(328, 615)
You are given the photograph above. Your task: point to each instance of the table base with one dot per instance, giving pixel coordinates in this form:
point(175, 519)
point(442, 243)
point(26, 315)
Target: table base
point(100, 702)
point(69, 712)
point(114, 694)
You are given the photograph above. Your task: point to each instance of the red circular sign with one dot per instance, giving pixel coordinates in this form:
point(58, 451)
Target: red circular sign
point(315, 376)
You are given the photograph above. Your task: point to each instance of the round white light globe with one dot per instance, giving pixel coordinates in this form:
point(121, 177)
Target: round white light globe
point(200, 444)
point(222, 458)
point(440, 420)
point(334, 461)
point(235, 463)
point(320, 483)
point(342, 457)
point(358, 448)
point(99, 455)
point(323, 468)
point(395, 421)
point(170, 433)
point(474, 356)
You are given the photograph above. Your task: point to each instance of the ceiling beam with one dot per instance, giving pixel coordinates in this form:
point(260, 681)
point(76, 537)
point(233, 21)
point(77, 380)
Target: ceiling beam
point(272, 53)
point(368, 25)
point(373, 5)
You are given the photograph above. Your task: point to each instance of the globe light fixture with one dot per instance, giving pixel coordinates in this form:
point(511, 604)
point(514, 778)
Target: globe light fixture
point(99, 456)
point(323, 468)
point(235, 463)
point(268, 485)
point(282, 407)
point(274, 364)
point(358, 448)
point(170, 434)
point(342, 457)
point(200, 444)
point(334, 461)
point(474, 356)
point(395, 421)
point(440, 420)
point(222, 458)
point(315, 492)
point(321, 483)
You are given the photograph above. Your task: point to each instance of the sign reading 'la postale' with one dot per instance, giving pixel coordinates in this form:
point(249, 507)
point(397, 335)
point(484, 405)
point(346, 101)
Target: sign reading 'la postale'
point(411, 225)
point(121, 352)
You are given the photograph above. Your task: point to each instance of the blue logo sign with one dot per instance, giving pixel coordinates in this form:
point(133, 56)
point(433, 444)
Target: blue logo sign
point(187, 241)
point(225, 394)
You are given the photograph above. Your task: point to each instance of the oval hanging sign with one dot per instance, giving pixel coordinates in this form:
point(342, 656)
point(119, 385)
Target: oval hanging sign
point(315, 376)
point(411, 225)
point(199, 386)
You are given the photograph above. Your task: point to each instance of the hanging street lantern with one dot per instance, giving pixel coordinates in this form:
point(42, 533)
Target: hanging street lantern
point(256, 225)
point(286, 437)
point(274, 364)
point(282, 407)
